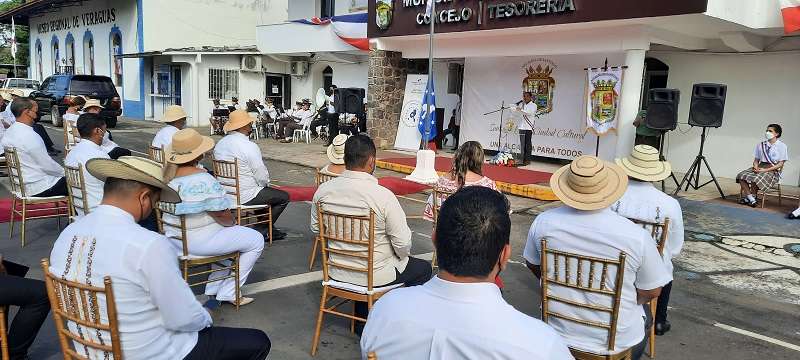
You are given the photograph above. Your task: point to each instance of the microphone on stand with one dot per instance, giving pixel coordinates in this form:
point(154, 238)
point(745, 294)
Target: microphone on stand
point(520, 102)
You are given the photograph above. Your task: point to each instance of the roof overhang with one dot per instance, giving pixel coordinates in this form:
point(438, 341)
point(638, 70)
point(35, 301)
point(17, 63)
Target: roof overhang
point(34, 8)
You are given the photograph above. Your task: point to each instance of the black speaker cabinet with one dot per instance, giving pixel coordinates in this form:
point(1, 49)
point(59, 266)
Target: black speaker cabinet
point(662, 109)
point(708, 105)
point(349, 100)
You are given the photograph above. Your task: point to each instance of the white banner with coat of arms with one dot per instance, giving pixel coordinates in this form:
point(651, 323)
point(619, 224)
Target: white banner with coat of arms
point(603, 90)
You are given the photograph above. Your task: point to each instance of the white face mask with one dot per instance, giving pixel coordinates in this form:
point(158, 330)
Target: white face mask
point(768, 135)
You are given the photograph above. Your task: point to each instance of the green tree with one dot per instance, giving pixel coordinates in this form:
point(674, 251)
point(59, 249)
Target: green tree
point(23, 38)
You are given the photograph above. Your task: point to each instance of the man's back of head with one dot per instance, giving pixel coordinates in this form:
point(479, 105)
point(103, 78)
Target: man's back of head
point(19, 105)
point(359, 153)
point(87, 123)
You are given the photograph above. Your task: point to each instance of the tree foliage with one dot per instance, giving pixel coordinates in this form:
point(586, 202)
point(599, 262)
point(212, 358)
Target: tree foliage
point(23, 38)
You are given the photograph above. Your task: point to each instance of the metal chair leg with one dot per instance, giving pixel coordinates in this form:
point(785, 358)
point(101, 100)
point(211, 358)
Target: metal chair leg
point(24, 216)
point(318, 328)
point(13, 214)
point(313, 254)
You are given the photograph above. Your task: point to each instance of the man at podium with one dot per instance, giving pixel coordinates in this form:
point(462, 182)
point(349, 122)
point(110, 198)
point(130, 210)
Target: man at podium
point(526, 111)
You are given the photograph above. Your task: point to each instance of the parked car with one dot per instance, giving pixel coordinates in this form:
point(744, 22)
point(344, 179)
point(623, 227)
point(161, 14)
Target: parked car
point(27, 86)
point(56, 91)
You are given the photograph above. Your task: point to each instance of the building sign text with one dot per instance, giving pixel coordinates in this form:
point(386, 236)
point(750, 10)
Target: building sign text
point(74, 22)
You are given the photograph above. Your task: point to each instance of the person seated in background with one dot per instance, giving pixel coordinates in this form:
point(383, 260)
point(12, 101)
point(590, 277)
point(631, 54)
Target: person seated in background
point(460, 310)
point(5, 104)
point(254, 182)
point(114, 151)
point(74, 110)
point(270, 110)
point(335, 156)
point(299, 119)
point(158, 315)
point(41, 175)
point(10, 118)
point(235, 104)
point(643, 202)
point(34, 305)
point(175, 119)
point(211, 226)
point(586, 225)
point(91, 129)
point(356, 189)
point(769, 157)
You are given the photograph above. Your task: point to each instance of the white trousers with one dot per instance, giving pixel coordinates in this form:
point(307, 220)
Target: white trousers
point(248, 242)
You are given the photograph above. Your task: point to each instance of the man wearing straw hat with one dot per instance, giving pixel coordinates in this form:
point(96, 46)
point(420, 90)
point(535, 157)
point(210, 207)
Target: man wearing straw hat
point(586, 225)
point(159, 317)
point(254, 181)
point(642, 201)
point(175, 119)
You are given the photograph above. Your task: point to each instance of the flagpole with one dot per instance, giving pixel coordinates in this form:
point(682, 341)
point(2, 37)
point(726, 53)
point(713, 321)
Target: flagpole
point(425, 140)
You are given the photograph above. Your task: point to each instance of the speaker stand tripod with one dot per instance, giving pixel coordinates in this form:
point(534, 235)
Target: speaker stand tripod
point(693, 174)
point(662, 158)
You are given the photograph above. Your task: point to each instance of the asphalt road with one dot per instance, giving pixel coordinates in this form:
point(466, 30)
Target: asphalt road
point(709, 320)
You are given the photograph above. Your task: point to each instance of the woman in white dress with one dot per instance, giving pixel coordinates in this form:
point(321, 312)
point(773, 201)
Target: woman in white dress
point(211, 228)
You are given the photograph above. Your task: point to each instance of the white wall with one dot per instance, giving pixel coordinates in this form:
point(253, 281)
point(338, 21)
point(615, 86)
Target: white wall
point(754, 14)
point(762, 89)
point(303, 9)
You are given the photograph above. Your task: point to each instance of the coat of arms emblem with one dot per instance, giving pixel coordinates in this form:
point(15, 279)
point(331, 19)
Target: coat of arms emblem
point(604, 99)
point(383, 13)
point(541, 84)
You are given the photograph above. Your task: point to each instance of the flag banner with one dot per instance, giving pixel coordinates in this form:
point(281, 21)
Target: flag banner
point(790, 10)
point(351, 28)
point(13, 40)
point(429, 8)
point(427, 113)
point(603, 90)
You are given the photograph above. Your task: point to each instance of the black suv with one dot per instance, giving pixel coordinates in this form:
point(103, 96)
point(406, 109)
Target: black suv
point(56, 91)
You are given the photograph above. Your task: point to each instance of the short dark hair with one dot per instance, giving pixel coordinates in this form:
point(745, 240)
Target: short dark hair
point(778, 129)
point(125, 187)
point(472, 229)
point(21, 104)
point(357, 150)
point(87, 122)
point(527, 93)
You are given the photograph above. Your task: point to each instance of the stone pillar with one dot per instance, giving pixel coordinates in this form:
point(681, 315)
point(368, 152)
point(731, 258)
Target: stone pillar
point(387, 81)
point(629, 103)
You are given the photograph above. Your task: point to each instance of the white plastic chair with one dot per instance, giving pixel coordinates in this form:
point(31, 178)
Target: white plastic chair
point(299, 134)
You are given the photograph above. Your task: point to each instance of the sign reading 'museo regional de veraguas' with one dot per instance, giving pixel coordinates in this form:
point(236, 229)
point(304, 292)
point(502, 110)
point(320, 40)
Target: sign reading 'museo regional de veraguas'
point(407, 17)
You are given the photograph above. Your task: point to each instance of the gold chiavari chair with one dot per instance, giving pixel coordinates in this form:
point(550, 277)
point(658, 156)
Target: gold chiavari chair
point(3, 333)
point(79, 318)
point(593, 283)
point(58, 205)
point(70, 140)
point(659, 232)
point(227, 172)
point(322, 177)
point(189, 262)
point(157, 154)
point(439, 196)
point(347, 244)
point(319, 178)
point(372, 356)
point(76, 186)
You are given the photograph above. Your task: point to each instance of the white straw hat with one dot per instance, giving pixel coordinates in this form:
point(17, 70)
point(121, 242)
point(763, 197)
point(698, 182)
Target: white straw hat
point(173, 113)
point(133, 168)
point(336, 149)
point(589, 183)
point(236, 120)
point(187, 145)
point(644, 164)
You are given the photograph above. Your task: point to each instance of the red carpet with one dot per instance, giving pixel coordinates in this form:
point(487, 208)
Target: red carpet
point(5, 210)
point(497, 173)
point(397, 185)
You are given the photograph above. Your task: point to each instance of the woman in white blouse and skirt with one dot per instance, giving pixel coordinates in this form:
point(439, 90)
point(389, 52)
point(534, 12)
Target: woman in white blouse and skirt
point(211, 229)
point(769, 157)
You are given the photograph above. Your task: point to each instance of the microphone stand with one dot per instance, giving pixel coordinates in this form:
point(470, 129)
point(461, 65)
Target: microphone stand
point(502, 109)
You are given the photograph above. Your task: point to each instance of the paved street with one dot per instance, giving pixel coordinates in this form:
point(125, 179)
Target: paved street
point(731, 298)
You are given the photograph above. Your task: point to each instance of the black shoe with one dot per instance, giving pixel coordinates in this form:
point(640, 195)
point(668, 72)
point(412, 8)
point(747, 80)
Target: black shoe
point(791, 216)
point(277, 234)
point(663, 328)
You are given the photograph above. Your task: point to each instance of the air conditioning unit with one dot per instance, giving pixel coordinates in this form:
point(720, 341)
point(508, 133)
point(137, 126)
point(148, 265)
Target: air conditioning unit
point(251, 63)
point(298, 68)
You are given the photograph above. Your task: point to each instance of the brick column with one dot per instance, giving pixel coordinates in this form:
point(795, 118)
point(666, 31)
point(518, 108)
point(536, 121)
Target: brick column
point(387, 82)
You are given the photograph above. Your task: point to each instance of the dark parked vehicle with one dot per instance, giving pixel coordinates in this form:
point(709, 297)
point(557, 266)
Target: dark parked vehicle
point(56, 91)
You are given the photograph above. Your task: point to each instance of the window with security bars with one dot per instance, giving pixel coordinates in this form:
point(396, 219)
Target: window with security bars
point(223, 84)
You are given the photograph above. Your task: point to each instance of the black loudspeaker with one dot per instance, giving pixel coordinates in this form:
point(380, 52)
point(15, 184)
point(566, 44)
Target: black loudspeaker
point(349, 100)
point(708, 105)
point(662, 109)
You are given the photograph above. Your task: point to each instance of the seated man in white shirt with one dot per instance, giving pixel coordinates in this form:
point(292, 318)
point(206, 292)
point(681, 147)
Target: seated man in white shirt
point(235, 103)
point(91, 127)
point(175, 118)
point(9, 118)
point(356, 188)
point(642, 201)
point(298, 120)
point(42, 176)
point(586, 226)
point(460, 313)
point(158, 315)
point(270, 110)
point(254, 179)
point(114, 151)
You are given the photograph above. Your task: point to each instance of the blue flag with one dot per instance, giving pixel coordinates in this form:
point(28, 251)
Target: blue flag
point(427, 114)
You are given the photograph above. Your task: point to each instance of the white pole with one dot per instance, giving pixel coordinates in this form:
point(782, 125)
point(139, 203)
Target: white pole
point(430, 72)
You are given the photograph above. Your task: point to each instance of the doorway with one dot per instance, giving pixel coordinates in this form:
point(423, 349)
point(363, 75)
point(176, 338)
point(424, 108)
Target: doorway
point(278, 86)
point(656, 76)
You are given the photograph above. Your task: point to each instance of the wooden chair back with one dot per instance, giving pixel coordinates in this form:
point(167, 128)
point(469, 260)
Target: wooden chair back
point(347, 238)
point(227, 172)
point(80, 322)
point(70, 140)
point(439, 196)
point(157, 154)
point(177, 224)
point(76, 186)
point(4, 333)
point(15, 172)
point(595, 282)
point(659, 231)
point(323, 177)
point(372, 356)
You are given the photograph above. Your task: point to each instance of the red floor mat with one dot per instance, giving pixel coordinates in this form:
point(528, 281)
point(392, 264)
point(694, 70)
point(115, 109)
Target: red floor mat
point(397, 185)
point(497, 173)
point(5, 210)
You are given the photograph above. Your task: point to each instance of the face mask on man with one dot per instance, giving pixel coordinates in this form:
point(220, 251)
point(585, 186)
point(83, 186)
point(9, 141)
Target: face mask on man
point(768, 135)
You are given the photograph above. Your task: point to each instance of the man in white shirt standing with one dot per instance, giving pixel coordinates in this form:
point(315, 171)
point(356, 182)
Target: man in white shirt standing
point(175, 118)
point(357, 190)
point(460, 313)
point(158, 315)
point(529, 109)
point(42, 176)
point(332, 115)
point(254, 179)
point(587, 226)
point(91, 127)
point(643, 202)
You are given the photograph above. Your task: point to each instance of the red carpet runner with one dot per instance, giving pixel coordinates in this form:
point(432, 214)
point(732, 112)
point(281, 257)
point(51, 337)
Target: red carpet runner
point(397, 185)
point(497, 173)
